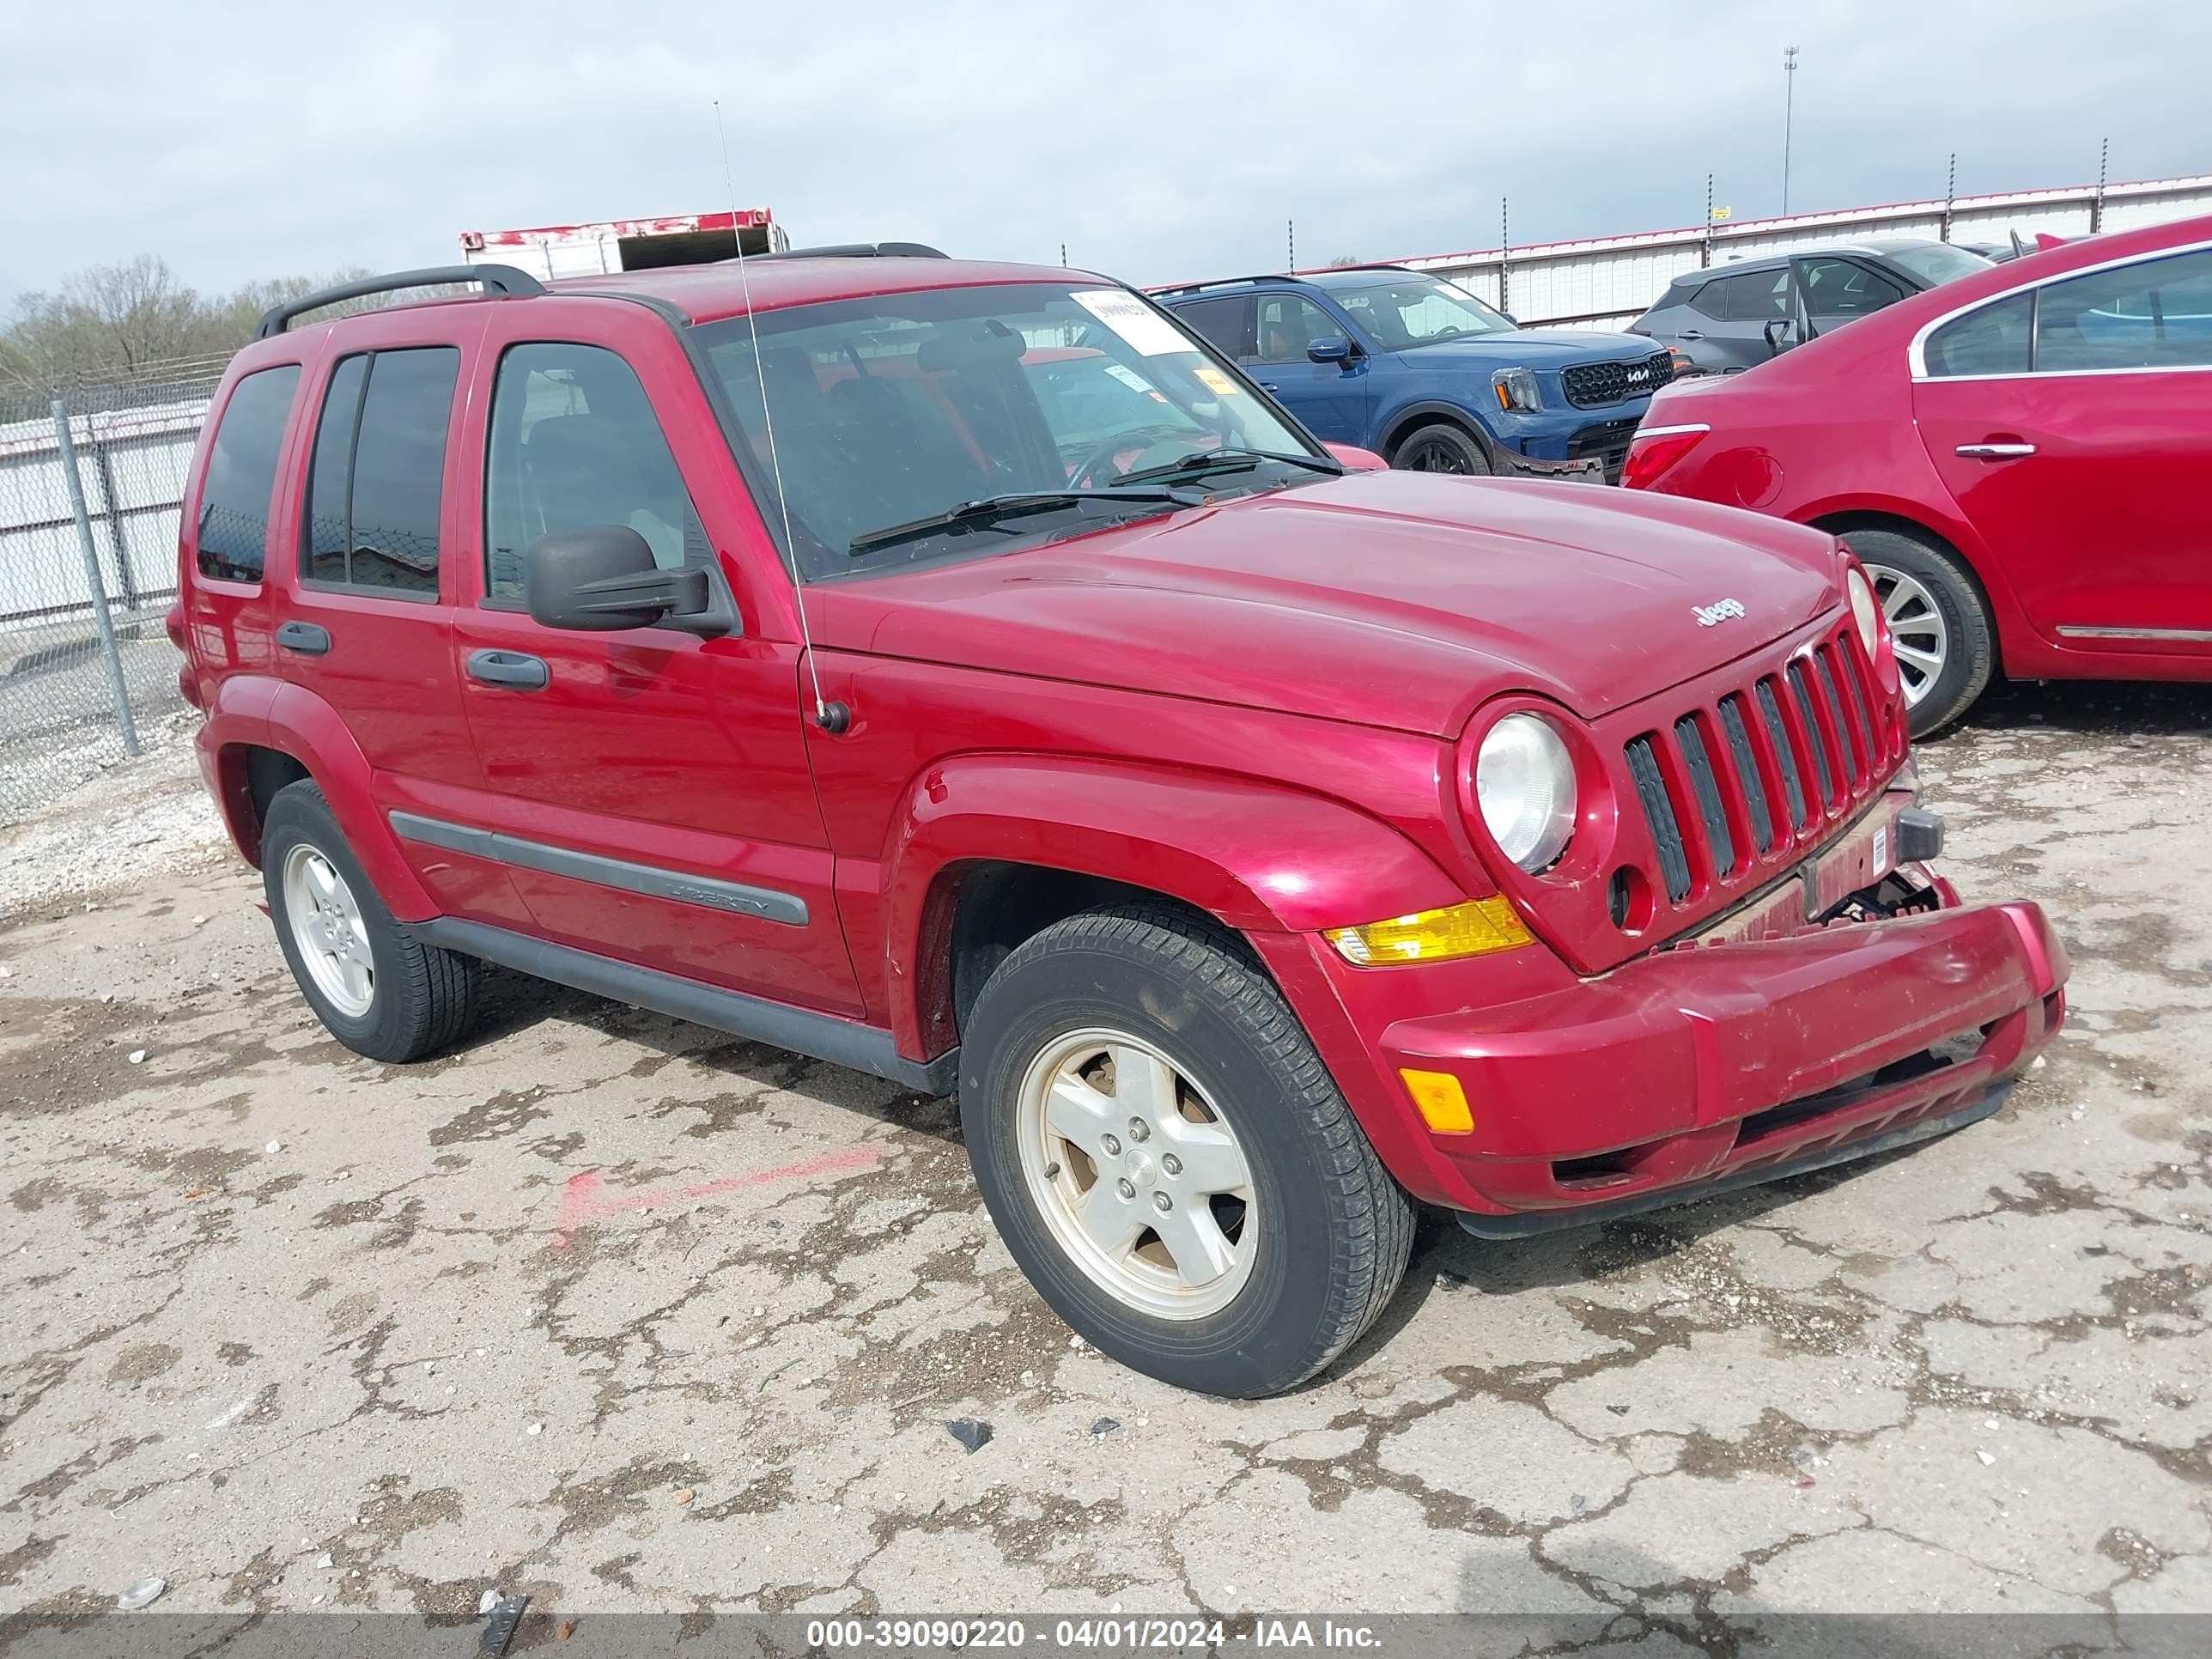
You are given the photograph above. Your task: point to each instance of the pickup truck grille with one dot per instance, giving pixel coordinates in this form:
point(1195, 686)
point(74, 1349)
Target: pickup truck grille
point(1734, 790)
point(1593, 385)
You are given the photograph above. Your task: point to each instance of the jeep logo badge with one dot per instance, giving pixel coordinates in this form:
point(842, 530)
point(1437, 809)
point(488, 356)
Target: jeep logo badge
point(1719, 611)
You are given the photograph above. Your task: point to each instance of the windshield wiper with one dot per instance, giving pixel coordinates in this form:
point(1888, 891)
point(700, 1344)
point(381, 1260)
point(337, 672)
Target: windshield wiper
point(990, 509)
point(1200, 462)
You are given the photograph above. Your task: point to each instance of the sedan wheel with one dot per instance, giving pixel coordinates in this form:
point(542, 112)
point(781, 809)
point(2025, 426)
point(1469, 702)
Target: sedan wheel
point(1917, 630)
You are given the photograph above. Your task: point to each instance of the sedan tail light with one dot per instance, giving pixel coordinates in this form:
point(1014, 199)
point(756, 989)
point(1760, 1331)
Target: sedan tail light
point(1656, 448)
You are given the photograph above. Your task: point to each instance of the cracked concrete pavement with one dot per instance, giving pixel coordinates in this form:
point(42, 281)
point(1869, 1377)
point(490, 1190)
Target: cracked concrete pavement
point(630, 1315)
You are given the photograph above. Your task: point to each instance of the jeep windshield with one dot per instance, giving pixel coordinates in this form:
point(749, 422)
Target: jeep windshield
point(1411, 311)
point(955, 422)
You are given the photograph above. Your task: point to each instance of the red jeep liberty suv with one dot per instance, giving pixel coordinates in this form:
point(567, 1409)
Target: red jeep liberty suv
point(962, 672)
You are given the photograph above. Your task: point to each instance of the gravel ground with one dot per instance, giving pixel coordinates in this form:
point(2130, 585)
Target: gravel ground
point(628, 1315)
point(135, 820)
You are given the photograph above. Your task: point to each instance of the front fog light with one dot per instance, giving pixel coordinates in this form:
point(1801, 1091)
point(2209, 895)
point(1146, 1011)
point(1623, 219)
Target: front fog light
point(1524, 783)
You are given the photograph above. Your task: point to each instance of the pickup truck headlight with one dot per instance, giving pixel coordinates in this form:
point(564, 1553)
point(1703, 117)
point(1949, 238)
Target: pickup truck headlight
point(1516, 389)
point(1524, 784)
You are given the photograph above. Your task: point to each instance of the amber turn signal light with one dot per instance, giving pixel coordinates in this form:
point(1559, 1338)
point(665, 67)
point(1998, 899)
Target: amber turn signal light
point(1472, 929)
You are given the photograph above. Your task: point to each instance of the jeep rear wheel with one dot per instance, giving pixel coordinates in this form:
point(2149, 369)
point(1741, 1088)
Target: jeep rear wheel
point(1168, 1159)
point(376, 987)
point(1440, 447)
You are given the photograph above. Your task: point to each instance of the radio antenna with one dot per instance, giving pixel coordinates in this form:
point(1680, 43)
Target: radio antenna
point(831, 717)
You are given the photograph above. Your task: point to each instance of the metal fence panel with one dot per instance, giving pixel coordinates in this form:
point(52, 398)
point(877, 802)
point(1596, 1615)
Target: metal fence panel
point(129, 446)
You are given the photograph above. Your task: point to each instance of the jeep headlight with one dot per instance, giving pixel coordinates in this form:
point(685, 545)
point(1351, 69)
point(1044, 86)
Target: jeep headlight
point(1524, 784)
point(1866, 610)
point(1516, 389)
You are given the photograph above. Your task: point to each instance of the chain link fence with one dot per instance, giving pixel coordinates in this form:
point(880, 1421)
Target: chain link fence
point(90, 485)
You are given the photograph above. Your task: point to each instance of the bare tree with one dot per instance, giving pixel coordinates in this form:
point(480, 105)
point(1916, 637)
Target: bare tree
point(122, 320)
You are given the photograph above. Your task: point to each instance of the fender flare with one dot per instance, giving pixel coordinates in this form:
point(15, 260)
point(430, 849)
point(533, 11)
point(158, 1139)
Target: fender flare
point(1256, 856)
point(295, 722)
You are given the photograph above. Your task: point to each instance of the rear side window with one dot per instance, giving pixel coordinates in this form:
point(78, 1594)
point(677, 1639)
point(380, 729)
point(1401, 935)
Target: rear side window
point(1709, 299)
point(1224, 323)
point(378, 480)
point(234, 524)
point(1991, 341)
point(1844, 288)
point(2153, 315)
point(1754, 297)
point(574, 446)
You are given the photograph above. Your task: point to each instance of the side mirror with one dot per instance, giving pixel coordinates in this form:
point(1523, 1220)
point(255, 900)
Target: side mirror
point(603, 578)
point(1510, 318)
point(1779, 330)
point(1356, 459)
point(1329, 349)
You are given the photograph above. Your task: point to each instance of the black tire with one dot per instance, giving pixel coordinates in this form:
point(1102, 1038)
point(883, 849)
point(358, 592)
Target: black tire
point(1441, 447)
point(1970, 657)
point(1336, 1229)
point(423, 997)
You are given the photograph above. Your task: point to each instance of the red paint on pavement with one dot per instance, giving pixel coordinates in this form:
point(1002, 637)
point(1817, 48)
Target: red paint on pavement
point(584, 1200)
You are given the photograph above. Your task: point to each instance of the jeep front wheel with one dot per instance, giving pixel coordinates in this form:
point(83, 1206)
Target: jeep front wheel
point(1168, 1159)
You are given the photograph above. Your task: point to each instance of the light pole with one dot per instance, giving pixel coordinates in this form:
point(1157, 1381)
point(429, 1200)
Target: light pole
point(1789, 110)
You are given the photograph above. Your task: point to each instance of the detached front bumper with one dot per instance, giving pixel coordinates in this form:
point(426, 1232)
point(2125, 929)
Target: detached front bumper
point(1717, 1064)
point(1587, 469)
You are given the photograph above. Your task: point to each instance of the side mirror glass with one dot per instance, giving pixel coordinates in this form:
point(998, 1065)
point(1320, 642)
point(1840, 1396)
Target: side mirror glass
point(1329, 349)
point(603, 579)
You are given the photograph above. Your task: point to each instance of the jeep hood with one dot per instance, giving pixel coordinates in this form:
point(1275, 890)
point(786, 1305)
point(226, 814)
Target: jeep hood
point(1396, 599)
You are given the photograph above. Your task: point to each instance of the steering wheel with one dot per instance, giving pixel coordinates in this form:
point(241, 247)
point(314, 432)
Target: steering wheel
point(1143, 438)
point(1448, 331)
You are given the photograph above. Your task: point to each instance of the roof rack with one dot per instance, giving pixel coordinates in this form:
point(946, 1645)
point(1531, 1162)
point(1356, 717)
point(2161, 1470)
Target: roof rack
point(504, 280)
point(1277, 276)
point(848, 251)
point(1219, 282)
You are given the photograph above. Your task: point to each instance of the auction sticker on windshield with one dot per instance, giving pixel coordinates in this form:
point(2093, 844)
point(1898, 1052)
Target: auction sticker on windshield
point(1221, 385)
point(1134, 381)
point(1151, 334)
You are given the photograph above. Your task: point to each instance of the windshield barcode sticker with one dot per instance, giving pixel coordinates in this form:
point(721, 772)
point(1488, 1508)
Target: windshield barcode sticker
point(1150, 333)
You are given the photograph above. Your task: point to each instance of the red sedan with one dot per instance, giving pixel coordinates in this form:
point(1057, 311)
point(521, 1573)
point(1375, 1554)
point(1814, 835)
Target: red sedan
point(2022, 458)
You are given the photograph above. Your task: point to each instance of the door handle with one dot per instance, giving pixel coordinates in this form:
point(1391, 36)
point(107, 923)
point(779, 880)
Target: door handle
point(1994, 452)
point(524, 674)
point(305, 638)
point(1269, 385)
point(1691, 334)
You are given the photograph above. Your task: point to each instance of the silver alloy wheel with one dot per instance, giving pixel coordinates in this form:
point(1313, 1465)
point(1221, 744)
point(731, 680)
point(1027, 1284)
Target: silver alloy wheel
point(1917, 629)
point(328, 930)
point(1137, 1174)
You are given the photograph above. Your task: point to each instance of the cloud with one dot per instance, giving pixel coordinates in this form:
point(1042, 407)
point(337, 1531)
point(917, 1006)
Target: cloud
point(1157, 141)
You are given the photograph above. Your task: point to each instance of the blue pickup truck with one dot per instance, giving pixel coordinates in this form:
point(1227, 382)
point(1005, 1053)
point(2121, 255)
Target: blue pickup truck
point(1428, 376)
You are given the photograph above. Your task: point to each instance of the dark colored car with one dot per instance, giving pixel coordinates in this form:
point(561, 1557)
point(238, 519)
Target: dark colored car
point(1428, 376)
point(2022, 458)
point(1733, 316)
point(962, 672)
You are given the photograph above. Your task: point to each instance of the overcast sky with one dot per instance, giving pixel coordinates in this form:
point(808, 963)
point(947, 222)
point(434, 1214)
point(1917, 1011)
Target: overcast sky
point(1158, 142)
